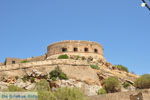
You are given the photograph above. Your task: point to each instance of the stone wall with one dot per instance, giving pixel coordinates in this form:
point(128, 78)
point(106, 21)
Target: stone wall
point(9, 61)
point(85, 47)
point(74, 68)
point(1, 64)
point(121, 95)
point(94, 56)
point(41, 63)
point(38, 58)
point(70, 47)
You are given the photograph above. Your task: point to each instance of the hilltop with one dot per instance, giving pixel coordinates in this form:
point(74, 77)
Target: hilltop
point(81, 62)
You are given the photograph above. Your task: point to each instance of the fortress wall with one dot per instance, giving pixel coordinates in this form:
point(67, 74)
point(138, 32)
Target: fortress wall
point(86, 55)
point(56, 48)
point(17, 60)
point(1, 64)
point(38, 58)
point(121, 95)
point(41, 63)
point(72, 47)
point(11, 60)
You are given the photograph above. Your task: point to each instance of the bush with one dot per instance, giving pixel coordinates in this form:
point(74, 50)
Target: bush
point(65, 56)
point(94, 66)
point(62, 94)
point(63, 76)
point(13, 88)
point(42, 85)
point(25, 78)
point(24, 61)
point(126, 84)
point(58, 74)
point(101, 91)
point(143, 82)
point(28, 78)
point(46, 95)
point(69, 94)
point(16, 77)
point(121, 67)
point(32, 79)
point(112, 84)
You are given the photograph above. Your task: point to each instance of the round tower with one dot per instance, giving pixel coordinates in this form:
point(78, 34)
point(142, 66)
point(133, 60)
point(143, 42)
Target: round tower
point(75, 47)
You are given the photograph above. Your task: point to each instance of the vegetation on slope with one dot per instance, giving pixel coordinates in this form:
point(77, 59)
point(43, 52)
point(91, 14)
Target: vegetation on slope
point(143, 82)
point(101, 91)
point(24, 61)
point(42, 85)
point(58, 74)
point(121, 67)
point(65, 56)
point(112, 84)
point(94, 67)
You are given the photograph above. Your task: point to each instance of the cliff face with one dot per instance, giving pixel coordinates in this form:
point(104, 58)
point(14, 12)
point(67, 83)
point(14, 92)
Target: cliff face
point(79, 72)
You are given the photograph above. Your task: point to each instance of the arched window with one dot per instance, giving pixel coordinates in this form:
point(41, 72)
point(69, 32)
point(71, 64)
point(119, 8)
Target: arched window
point(75, 49)
point(64, 49)
point(86, 49)
point(95, 50)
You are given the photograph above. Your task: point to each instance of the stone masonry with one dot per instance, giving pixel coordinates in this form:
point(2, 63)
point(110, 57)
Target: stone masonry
point(69, 47)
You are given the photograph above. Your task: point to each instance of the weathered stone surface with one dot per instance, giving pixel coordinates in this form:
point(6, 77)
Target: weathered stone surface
point(3, 85)
point(86, 88)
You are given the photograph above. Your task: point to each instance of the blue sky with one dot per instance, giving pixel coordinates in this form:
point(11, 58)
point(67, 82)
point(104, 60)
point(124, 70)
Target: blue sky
point(121, 26)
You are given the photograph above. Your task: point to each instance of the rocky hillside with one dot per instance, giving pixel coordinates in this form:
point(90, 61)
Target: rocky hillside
point(83, 73)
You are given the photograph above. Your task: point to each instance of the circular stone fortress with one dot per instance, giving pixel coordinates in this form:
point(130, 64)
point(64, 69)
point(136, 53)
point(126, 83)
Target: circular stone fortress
point(69, 47)
point(75, 47)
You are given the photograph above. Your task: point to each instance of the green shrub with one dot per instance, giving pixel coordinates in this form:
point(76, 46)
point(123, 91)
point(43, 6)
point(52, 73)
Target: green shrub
point(32, 79)
point(94, 66)
point(101, 91)
point(121, 67)
point(16, 77)
point(143, 82)
point(46, 95)
point(24, 61)
point(65, 56)
point(63, 76)
point(58, 74)
point(69, 94)
point(25, 78)
point(42, 85)
point(62, 94)
point(13, 88)
point(28, 78)
point(126, 84)
point(112, 84)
